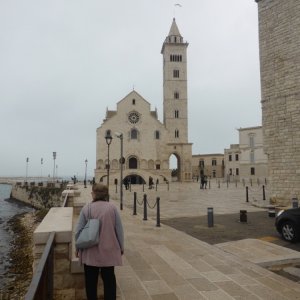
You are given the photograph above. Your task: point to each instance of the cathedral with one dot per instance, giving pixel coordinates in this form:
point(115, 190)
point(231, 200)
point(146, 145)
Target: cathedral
point(131, 139)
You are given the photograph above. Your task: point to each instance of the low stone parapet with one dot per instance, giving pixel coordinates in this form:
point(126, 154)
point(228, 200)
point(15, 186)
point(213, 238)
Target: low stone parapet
point(67, 285)
point(58, 220)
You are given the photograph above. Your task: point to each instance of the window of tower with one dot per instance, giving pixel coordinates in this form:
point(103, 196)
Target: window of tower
point(176, 114)
point(157, 135)
point(133, 134)
point(252, 158)
point(175, 57)
point(176, 133)
point(176, 95)
point(175, 73)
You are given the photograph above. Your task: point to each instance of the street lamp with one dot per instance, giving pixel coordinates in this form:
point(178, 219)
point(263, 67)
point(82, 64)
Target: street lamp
point(122, 160)
point(41, 169)
point(27, 161)
point(108, 139)
point(86, 161)
point(54, 157)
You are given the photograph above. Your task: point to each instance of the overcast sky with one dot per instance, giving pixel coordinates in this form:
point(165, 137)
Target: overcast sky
point(63, 63)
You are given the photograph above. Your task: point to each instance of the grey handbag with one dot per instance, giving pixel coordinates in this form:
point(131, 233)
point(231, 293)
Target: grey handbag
point(89, 235)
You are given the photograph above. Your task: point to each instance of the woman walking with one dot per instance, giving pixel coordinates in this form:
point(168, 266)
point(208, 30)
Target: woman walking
point(108, 253)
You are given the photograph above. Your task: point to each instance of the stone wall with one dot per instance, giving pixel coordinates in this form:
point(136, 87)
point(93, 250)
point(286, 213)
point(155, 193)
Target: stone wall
point(38, 197)
point(279, 36)
point(68, 277)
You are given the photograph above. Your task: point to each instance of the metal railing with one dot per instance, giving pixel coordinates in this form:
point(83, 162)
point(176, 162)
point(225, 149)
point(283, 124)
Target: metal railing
point(41, 286)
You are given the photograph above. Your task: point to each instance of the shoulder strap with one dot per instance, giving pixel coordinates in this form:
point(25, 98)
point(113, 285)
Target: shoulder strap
point(89, 211)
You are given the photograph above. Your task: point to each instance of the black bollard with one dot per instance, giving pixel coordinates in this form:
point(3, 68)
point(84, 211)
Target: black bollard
point(243, 216)
point(210, 216)
point(157, 212)
point(294, 202)
point(247, 194)
point(272, 211)
point(134, 203)
point(145, 208)
point(264, 193)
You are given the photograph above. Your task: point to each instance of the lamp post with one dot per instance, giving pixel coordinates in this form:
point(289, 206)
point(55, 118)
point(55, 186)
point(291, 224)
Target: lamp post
point(108, 139)
point(27, 161)
point(120, 136)
point(41, 169)
point(54, 157)
point(86, 161)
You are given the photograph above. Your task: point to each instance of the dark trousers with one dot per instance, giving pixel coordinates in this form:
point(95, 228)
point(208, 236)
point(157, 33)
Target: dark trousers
point(91, 280)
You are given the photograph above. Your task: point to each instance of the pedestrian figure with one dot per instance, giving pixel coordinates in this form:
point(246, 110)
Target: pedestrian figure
point(126, 183)
point(108, 253)
point(202, 181)
point(150, 182)
point(205, 181)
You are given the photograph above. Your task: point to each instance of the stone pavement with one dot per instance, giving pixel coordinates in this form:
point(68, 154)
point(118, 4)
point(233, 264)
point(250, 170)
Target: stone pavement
point(163, 263)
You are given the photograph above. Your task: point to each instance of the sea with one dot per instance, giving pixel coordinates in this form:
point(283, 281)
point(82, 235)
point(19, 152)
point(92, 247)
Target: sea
point(8, 209)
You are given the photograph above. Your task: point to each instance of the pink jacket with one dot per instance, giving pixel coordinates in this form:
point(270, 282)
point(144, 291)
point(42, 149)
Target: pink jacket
point(111, 246)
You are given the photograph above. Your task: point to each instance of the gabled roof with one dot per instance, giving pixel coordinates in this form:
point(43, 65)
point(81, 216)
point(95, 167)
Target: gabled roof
point(133, 93)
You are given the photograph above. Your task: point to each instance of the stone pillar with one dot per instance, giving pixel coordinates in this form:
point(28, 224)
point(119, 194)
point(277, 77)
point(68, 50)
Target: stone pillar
point(279, 43)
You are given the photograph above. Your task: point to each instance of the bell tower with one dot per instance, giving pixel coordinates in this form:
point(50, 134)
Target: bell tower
point(175, 101)
point(175, 115)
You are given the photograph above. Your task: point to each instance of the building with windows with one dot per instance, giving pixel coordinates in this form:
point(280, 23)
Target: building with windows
point(232, 163)
point(211, 165)
point(247, 160)
point(148, 143)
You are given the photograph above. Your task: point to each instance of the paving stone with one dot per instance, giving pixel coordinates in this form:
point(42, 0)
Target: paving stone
point(163, 263)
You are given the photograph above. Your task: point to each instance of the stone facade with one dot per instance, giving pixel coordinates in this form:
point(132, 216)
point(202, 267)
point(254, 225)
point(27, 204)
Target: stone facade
point(232, 163)
point(247, 161)
point(147, 143)
point(212, 165)
point(279, 36)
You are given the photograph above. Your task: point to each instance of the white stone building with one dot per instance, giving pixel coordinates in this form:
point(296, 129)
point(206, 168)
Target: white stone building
point(147, 142)
point(247, 160)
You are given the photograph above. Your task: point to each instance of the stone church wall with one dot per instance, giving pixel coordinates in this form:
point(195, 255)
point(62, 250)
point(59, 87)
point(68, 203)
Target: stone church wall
point(279, 36)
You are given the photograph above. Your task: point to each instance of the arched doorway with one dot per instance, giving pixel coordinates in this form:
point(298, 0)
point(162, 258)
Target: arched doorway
point(134, 179)
point(174, 166)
